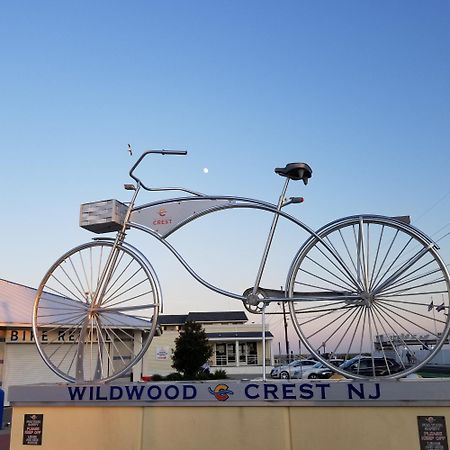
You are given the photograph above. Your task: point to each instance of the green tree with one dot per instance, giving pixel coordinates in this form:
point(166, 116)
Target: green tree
point(192, 350)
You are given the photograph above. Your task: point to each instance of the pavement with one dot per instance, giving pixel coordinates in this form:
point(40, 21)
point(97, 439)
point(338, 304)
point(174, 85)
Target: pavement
point(5, 431)
point(5, 436)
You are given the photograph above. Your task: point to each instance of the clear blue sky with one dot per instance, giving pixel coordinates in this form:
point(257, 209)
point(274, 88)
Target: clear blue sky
point(357, 89)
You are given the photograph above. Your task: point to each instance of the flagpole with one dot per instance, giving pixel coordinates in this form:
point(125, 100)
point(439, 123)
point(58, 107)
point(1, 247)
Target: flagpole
point(434, 318)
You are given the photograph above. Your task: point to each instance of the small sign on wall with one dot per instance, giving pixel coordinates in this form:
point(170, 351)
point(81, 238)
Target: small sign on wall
point(162, 353)
point(32, 429)
point(432, 433)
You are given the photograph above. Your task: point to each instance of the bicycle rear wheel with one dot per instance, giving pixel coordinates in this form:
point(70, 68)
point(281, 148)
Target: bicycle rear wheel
point(94, 319)
point(374, 289)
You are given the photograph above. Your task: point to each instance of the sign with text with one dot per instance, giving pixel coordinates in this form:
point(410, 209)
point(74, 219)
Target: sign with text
point(232, 392)
point(57, 336)
point(32, 429)
point(432, 433)
point(162, 353)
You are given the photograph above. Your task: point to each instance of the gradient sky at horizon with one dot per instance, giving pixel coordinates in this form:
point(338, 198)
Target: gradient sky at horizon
point(357, 89)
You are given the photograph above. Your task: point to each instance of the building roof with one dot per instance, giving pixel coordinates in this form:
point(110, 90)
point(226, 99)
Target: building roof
point(17, 300)
point(217, 316)
point(172, 319)
point(16, 308)
point(16, 304)
point(239, 334)
point(203, 317)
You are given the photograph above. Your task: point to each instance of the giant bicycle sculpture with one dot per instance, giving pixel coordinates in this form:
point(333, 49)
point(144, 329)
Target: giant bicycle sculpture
point(360, 285)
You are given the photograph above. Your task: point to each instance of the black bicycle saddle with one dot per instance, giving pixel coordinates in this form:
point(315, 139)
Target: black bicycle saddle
point(295, 171)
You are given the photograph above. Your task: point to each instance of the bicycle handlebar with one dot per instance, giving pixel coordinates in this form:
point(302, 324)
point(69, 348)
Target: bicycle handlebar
point(160, 152)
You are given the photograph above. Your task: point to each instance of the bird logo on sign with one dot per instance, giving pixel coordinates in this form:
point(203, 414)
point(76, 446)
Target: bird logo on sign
point(221, 392)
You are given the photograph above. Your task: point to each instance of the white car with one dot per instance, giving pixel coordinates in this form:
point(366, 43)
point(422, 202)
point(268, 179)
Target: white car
point(285, 372)
point(316, 371)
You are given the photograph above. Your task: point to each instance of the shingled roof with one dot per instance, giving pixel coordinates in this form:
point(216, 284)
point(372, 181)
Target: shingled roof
point(16, 308)
point(239, 334)
point(217, 316)
point(203, 317)
point(172, 319)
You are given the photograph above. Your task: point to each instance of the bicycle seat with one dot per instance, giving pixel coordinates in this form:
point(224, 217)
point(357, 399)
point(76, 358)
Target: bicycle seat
point(295, 171)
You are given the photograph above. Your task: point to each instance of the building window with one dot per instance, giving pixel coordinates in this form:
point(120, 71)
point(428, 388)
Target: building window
point(231, 354)
point(221, 355)
point(248, 353)
point(226, 354)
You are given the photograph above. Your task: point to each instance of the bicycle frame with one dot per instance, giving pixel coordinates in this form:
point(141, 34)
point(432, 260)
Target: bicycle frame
point(162, 218)
point(152, 219)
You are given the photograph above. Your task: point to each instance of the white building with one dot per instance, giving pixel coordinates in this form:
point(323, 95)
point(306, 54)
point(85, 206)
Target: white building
point(237, 345)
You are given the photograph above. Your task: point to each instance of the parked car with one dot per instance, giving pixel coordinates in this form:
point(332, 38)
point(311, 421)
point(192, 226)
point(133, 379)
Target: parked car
point(318, 370)
point(285, 372)
point(368, 366)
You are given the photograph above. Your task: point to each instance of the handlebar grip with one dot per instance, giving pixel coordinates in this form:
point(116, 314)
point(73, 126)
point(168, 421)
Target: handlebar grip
point(160, 152)
point(174, 152)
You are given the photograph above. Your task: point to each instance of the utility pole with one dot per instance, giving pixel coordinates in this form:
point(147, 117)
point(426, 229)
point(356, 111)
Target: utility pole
point(285, 328)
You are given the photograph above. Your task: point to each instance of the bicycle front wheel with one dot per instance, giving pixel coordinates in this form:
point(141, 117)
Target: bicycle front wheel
point(374, 289)
point(95, 312)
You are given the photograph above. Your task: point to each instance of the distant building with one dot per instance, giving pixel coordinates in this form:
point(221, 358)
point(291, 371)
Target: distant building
point(237, 345)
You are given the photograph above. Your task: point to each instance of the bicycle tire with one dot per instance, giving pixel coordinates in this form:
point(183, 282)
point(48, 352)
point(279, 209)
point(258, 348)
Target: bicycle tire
point(83, 340)
point(373, 287)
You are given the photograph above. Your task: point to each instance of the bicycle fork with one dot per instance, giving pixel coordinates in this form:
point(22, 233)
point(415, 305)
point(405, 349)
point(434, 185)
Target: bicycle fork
point(95, 304)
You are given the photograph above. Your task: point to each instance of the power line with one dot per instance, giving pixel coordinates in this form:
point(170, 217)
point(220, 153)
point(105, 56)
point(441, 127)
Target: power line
point(432, 206)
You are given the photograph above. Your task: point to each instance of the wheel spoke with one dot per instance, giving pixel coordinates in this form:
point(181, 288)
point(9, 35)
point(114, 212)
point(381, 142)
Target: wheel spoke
point(394, 347)
point(353, 313)
point(389, 292)
point(345, 287)
point(124, 343)
point(68, 290)
point(344, 242)
point(402, 281)
point(374, 266)
point(126, 291)
point(319, 330)
point(348, 313)
point(79, 288)
point(395, 333)
point(393, 262)
point(417, 325)
point(360, 256)
point(89, 287)
point(347, 272)
point(58, 322)
point(117, 351)
point(122, 330)
point(348, 279)
point(403, 268)
point(127, 308)
point(117, 278)
point(386, 255)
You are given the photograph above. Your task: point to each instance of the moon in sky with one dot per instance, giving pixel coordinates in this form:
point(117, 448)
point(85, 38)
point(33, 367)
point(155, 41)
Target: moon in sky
point(205, 170)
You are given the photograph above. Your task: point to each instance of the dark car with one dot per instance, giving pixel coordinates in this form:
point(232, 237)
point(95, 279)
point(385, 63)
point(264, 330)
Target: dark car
point(371, 366)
